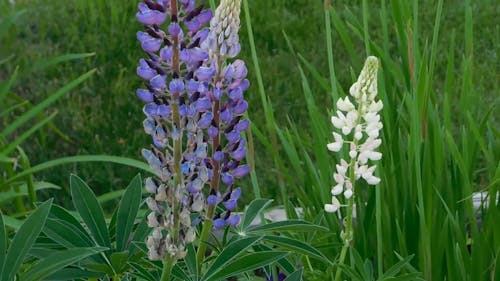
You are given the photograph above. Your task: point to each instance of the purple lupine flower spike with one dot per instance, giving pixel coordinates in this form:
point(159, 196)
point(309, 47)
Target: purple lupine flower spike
point(177, 118)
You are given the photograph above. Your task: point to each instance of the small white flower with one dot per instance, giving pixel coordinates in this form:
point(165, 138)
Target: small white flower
point(358, 116)
point(332, 208)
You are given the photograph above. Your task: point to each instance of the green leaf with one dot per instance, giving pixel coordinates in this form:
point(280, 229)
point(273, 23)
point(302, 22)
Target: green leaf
point(244, 263)
point(44, 104)
point(230, 252)
point(12, 222)
point(59, 59)
point(190, 259)
point(8, 196)
point(142, 272)
point(296, 246)
point(57, 261)
point(73, 274)
point(112, 195)
point(178, 272)
point(127, 212)
point(290, 225)
point(82, 158)
point(395, 269)
point(119, 261)
point(24, 240)
point(253, 210)
point(295, 276)
point(26, 134)
point(3, 241)
point(89, 209)
point(6, 88)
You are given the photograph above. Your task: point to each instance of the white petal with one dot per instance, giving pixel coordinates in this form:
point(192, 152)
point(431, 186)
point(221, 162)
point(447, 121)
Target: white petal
point(373, 180)
point(348, 193)
point(334, 146)
point(336, 190)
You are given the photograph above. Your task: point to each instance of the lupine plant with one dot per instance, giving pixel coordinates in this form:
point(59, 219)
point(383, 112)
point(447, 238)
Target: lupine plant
point(359, 123)
point(194, 112)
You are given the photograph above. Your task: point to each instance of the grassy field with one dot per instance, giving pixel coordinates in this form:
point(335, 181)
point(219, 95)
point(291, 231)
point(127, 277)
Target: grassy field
point(439, 84)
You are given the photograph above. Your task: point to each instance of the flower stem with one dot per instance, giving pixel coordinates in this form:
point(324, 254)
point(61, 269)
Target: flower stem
point(347, 238)
point(168, 264)
point(205, 232)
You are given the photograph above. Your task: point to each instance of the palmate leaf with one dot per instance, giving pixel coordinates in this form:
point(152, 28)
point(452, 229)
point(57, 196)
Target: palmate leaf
point(290, 225)
point(127, 212)
point(24, 240)
point(296, 246)
point(295, 276)
point(86, 204)
point(244, 263)
point(57, 261)
point(229, 253)
point(253, 210)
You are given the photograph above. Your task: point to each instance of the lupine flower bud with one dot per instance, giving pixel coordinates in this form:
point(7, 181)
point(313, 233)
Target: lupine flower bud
point(359, 123)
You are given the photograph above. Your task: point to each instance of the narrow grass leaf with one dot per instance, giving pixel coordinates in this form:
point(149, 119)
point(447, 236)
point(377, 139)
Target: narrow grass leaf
point(44, 104)
point(127, 212)
point(3, 241)
point(89, 209)
point(82, 158)
point(26, 134)
point(4, 90)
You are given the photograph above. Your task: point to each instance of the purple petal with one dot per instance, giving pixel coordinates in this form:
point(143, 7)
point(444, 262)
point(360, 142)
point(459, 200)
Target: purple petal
point(218, 156)
point(242, 125)
point(219, 223)
point(192, 86)
point(240, 108)
point(241, 171)
point(174, 29)
point(205, 120)
point(159, 82)
point(166, 54)
point(176, 86)
point(203, 104)
point(145, 95)
point(236, 94)
point(148, 16)
point(212, 200)
point(227, 178)
point(226, 116)
point(233, 220)
point(213, 131)
point(205, 17)
point(193, 25)
point(239, 154)
point(204, 73)
point(233, 136)
point(230, 204)
point(144, 71)
point(236, 194)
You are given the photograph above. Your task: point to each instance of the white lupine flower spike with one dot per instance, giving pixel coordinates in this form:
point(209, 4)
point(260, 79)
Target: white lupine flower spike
point(358, 125)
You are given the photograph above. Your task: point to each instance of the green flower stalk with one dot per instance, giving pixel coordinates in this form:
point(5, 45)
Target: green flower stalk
point(359, 125)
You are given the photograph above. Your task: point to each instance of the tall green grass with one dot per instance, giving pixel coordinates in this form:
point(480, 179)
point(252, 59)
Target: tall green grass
point(438, 145)
point(438, 83)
